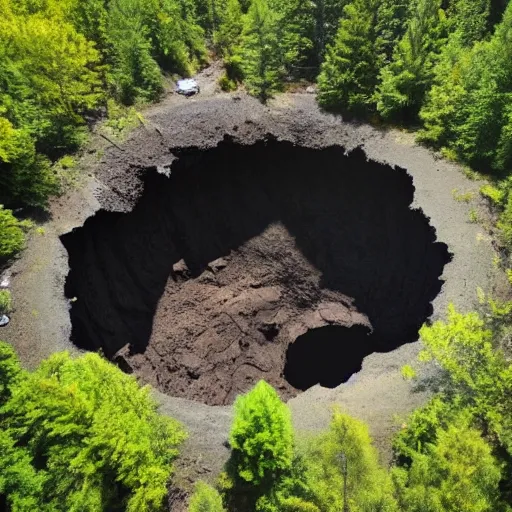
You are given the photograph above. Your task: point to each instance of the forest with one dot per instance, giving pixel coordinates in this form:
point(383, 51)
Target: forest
point(441, 69)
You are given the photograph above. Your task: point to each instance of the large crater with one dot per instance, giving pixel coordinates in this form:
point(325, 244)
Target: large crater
point(269, 261)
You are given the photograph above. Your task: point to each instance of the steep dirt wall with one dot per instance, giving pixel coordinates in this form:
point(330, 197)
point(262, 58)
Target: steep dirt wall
point(241, 250)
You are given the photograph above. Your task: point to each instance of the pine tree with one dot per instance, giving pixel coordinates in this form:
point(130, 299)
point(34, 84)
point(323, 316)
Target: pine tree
point(260, 50)
point(467, 109)
point(458, 472)
point(349, 73)
point(391, 25)
point(406, 80)
point(296, 33)
point(368, 485)
point(262, 426)
point(228, 33)
point(328, 15)
point(470, 20)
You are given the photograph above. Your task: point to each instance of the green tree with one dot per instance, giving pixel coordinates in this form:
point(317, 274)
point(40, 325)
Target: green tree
point(260, 50)
point(328, 15)
point(262, 471)
point(229, 30)
point(469, 19)
point(408, 77)
point(12, 234)
point(48, 77)
point(205, 499)
point(296, 34)
point(457, 472)
point(261, 436)
point(478, 374)
point(349, 73)
point(368, 485)
point(26, 178)
point(392, 18)
point(86, 434)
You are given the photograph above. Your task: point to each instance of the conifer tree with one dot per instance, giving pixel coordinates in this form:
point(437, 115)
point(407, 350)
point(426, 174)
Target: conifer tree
point(391, 25)
point(467, 109)
point(457, 472)
point(296, 33)
point(229, 30)
point(260, 50)
point(328, 15)
point(349, 73)
point(405, 81)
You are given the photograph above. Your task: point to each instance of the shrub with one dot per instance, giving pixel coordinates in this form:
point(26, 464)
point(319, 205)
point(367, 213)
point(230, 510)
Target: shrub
point(226, 84)
point(205, 499)
point(12, 234)
point(83, 436)
point(5, 302)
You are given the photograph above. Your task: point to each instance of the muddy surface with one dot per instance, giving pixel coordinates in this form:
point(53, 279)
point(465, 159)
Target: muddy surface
point(377, 394)
point(241, 249)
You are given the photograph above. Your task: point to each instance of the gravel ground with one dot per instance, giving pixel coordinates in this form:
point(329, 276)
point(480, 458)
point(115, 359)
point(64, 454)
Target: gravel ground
point(377, 394)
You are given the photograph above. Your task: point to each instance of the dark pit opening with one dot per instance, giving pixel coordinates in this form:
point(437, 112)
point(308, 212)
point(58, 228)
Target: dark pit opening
point(221, 266)
point(327, 356)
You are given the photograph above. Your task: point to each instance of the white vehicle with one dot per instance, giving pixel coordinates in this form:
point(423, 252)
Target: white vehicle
point(187, 87)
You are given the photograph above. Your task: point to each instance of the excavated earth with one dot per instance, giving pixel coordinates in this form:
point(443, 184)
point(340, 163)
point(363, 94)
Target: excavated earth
point(242, 249)
point(226, 241)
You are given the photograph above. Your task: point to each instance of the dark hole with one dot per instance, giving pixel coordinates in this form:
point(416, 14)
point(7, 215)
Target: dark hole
point(349, 217)
point(327, 356)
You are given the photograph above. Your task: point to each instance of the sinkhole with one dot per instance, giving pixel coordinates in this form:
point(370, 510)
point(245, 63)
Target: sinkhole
point(266, 261)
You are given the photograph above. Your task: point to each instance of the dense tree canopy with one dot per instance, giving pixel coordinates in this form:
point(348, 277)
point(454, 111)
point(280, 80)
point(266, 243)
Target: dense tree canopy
point(78, 434)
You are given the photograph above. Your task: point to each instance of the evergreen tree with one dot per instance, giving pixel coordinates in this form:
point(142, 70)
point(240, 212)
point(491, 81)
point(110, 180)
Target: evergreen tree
point(405, 81)
point(260, 50)
point(368, 485)
point(391, 25)
point(78, 434)
point(328, 15)
point(470, 20)
point(349, 73)
point(26, 178)
point(457, 472)
point(467, 108)
point(261, 436)
point(296, 33)
point(228, 33)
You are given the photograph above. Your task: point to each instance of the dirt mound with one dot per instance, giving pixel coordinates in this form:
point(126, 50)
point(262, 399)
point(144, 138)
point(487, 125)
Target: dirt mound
point(241, 250)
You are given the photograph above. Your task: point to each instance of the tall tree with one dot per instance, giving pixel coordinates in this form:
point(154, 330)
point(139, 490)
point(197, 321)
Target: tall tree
point(467, 109)
point(349, 73)
point(260, 50)
point(296, 32)
point(347, 444)
point(406, 80)
point(229, 30)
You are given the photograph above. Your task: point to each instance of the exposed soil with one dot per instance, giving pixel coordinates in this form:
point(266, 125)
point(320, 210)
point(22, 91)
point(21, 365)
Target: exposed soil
point(244, 249)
